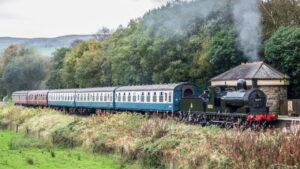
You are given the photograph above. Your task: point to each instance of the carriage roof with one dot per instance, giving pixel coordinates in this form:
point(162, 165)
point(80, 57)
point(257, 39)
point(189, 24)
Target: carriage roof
point(159, 87)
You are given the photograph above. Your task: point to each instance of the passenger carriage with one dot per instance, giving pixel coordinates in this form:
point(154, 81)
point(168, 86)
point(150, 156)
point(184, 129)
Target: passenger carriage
point(38, 98)
point(20, 97)
point(62, 98)
point(162, 97)
point(101, 98)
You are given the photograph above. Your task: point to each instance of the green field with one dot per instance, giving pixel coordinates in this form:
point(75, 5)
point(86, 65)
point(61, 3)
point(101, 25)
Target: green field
point(17, 157)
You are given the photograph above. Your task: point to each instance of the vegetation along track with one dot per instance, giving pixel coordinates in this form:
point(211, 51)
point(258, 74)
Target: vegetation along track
point(159, 142)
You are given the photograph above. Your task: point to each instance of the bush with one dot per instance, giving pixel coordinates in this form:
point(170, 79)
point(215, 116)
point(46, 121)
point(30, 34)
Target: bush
point(20, 142)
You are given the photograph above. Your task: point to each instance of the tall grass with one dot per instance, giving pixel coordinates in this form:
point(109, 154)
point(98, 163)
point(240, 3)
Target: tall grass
point(161, 143)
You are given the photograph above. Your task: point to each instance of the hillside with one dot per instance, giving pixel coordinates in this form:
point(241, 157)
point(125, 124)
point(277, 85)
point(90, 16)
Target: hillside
point(45, 45)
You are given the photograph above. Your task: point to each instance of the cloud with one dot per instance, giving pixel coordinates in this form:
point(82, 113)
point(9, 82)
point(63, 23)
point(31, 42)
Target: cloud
point(51, 18)
point(6, 1)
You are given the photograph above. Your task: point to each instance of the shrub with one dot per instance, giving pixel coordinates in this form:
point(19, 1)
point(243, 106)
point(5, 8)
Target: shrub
point(19, 142)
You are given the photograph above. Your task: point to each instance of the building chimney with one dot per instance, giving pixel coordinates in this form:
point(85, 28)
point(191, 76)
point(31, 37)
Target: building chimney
point(254, 83)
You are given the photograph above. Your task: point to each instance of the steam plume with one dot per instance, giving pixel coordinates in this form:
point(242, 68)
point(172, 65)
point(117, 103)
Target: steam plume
point(248, 24)
point(246, 17)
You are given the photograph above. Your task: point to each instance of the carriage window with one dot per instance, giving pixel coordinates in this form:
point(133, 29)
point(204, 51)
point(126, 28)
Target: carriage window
point(105, 97)
point(119, 97)
point(148, 97)
point(166, 97)
point(142, 97)
point(124, 97)
point(129, 97)
point(154, 98)
point(134, 97)
point(161, 97)
point(170, 97)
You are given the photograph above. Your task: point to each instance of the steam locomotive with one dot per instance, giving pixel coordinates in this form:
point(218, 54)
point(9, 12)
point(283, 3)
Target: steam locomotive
point(219, 105)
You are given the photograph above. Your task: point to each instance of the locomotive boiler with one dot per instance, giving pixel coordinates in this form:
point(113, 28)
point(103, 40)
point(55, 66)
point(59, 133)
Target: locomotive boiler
point(245, 101)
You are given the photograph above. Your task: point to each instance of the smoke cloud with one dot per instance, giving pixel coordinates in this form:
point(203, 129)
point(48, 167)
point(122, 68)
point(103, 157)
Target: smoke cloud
point(248, 24)
point(246, 17)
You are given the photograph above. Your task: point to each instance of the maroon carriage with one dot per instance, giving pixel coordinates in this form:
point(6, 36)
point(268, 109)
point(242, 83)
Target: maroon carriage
point(20, 97)
point(38, 98)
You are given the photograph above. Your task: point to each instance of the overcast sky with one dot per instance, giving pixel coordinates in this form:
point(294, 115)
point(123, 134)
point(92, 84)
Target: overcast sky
point(51, 18)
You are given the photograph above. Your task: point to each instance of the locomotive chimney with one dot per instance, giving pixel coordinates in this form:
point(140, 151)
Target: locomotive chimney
point(254, 83)
point(241, 84)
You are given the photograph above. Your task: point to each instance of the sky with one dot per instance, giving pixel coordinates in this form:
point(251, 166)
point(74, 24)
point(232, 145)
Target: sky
point(52, 18)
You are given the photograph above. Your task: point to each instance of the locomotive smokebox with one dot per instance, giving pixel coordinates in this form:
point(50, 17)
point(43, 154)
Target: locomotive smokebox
point(254, 83)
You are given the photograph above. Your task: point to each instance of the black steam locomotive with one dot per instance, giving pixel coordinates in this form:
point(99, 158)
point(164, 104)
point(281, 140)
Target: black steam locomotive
point(229, 106)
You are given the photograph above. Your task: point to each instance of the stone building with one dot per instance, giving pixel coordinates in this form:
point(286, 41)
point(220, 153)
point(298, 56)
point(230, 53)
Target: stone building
point(271, 81)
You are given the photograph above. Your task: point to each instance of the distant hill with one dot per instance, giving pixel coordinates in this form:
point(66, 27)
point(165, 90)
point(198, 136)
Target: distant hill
point(45, 45)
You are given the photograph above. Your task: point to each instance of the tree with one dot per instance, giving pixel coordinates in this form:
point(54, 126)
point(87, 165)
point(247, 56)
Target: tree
point(82, 66)
point(102, 33)
point(277, 13)
point(223, 53)
point(55, 80)
point(25, 73)
point(282, 51)
point(76, 42)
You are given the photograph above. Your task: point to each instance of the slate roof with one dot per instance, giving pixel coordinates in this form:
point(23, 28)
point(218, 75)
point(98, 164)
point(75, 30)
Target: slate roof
point(248, 71)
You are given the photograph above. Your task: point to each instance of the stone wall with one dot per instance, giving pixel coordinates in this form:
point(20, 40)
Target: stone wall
point(275, 94)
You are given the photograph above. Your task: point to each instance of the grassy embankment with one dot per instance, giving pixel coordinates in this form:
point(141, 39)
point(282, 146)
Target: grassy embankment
point(26, 152)
point(159, 143)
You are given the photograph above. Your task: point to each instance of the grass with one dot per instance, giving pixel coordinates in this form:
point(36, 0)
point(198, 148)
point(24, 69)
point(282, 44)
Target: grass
point(26, 152)
point(151, 142)
point(31, 155)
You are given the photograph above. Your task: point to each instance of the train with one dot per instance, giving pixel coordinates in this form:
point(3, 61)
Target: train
point(223, 105)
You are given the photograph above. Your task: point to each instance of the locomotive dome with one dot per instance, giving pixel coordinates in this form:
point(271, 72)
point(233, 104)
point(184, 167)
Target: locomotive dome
point(269, 80)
